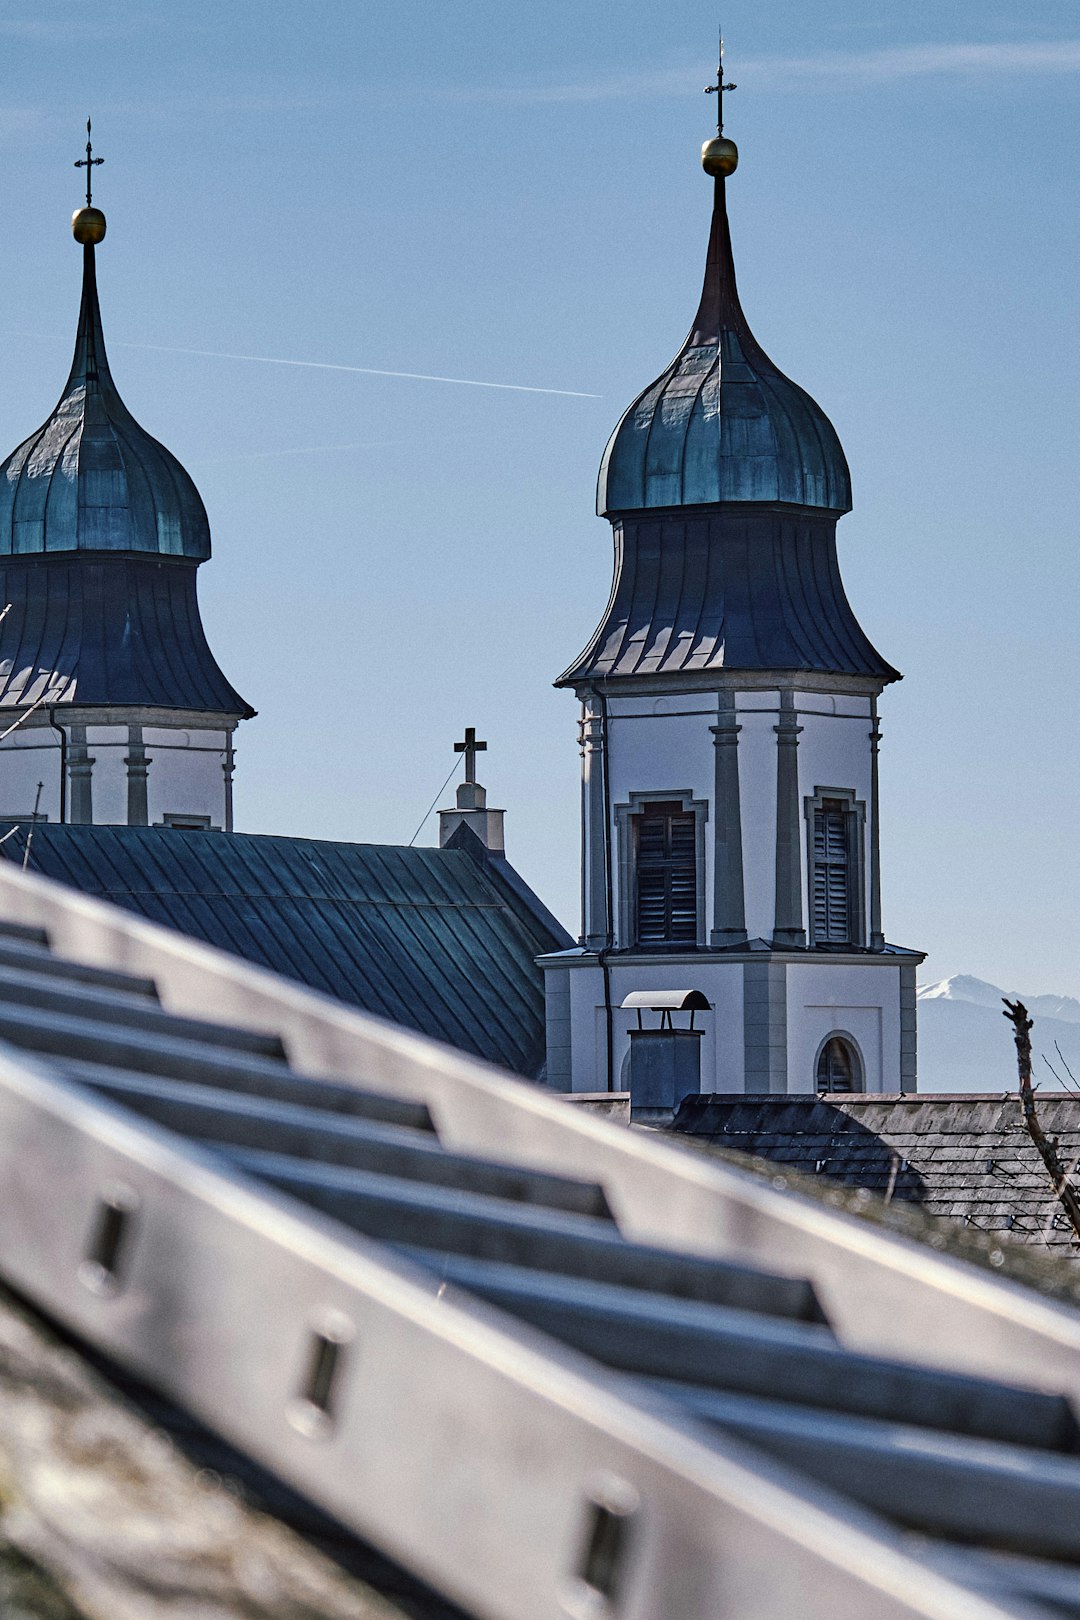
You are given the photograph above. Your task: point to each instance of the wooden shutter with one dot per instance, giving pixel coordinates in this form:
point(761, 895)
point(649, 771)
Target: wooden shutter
point(837, 1068)
point(832, 874)
point(666, 875)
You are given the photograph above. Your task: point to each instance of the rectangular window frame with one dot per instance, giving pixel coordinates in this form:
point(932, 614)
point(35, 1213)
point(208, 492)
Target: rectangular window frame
point(854, 811)
point(187, 821)
point(626, 841)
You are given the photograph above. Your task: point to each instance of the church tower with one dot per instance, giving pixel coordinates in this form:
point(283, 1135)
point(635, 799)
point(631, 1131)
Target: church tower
point(729, 741)
point(110, 697)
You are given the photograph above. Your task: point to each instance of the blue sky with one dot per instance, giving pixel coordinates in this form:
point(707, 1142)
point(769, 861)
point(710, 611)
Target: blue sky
point(512, 195)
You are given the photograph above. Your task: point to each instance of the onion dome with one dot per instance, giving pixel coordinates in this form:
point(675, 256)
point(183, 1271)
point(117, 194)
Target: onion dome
point(91, 479)
point(723, 423)
point(723, 484)
point(101, 536)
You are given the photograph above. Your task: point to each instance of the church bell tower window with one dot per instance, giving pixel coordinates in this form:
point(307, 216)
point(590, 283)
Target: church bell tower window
point(667, 912)
point(838, 1067)
point(835, 826)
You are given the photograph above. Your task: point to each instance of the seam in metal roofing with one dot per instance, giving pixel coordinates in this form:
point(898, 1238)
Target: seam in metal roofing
point(427, 938)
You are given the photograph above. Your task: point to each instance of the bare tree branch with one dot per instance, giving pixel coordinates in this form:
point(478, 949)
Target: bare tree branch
point(1067, 1082)
point(1047, 1147)
point(1064, 1062)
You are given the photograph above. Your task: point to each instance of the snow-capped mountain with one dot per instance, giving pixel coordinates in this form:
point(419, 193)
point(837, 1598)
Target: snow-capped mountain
point(966, 1045)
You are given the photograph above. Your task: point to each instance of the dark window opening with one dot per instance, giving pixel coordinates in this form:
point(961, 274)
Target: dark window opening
point(838, 1067)
point(666, 875)
point(832, 887)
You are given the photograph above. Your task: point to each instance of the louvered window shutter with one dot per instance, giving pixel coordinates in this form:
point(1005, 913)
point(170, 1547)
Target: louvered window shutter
point(666, 875)
point(837, 1069)
point(832, 874)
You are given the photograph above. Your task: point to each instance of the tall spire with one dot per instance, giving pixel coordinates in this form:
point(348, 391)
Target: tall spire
point(90, 367)
point(90, 364)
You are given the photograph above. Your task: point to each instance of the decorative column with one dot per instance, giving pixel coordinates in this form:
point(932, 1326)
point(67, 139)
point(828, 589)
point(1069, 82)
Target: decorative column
point(80, 775)
point(877, 938)
point(729, 909)
point(229, 769)
point(788, 928)
point(593, 744)
point(137, 770)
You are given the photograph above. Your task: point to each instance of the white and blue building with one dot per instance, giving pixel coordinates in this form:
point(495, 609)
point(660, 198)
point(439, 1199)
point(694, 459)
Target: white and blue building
point(729, 743)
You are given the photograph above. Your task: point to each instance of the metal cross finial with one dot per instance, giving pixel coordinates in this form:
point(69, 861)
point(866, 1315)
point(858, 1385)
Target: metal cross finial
point(470, 748)
point(89, 162)
point(718, 90)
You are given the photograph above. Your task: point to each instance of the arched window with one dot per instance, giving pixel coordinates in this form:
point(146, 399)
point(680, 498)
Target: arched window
point(838, 1067)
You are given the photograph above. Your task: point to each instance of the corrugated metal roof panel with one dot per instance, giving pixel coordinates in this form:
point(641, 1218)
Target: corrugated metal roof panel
point(425, 937)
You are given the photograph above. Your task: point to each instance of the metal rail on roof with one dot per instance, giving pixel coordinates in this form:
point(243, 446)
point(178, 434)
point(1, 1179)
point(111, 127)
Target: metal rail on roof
point(467, 1322)
point(880, 1290)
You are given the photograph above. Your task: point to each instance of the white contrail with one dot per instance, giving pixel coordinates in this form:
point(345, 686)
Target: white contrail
point(364, 371)
point(971, 60)
point(296, 450)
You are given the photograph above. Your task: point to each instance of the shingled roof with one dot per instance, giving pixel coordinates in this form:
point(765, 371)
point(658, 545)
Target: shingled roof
point(442, 941)
point(963, 1156)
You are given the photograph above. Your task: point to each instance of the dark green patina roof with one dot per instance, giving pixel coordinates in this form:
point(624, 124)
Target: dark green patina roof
point(442, 941)
point(91, 479)
point(723, 423)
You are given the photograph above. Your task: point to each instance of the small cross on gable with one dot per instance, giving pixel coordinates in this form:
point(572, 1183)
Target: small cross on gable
point(470, 748)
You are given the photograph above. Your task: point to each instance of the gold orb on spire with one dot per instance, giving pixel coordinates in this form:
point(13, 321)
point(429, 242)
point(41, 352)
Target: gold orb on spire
point(719, 157)
point(88, 226)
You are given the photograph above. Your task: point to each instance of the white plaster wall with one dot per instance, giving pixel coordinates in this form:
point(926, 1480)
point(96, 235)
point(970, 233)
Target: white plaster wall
point(29, 756)
point(652, 753)
point(834, 751)
point(722, 1045)
point(757, 714)
point(186, 776)
point(588, 1071)
point(858, 999)
point(108, 747)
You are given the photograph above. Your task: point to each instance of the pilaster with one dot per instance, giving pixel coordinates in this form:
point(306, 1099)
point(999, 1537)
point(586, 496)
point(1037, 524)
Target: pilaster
point(877, 937)
point(594, 813)
point(80, 777)
point(138, 766)
point(909, 1035)
point(765, 1032)
point(788, 929)
point(729, 908)
point(229, 770)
